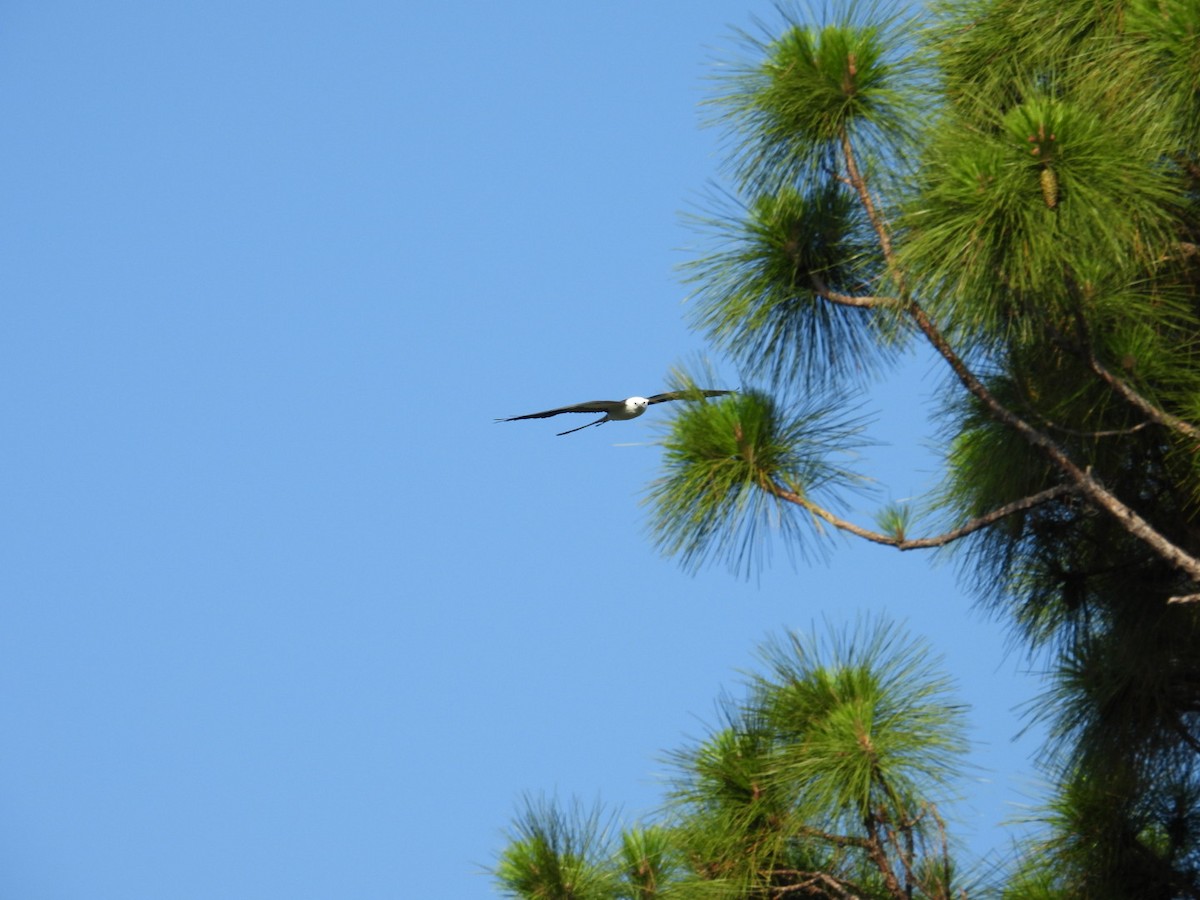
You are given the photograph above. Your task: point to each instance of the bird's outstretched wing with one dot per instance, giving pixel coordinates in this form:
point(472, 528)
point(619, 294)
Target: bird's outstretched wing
point(684, 395)
point(592, 406)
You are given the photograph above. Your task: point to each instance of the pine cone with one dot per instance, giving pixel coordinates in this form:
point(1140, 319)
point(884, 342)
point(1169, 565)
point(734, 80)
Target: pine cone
point(1049, 187)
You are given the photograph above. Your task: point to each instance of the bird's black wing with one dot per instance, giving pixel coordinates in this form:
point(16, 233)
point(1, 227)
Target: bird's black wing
point(684, 395)
point(592, 406)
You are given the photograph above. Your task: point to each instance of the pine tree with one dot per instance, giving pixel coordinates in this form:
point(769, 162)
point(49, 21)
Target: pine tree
point(823, 782)
point(1017, 188)
point(1014, 186)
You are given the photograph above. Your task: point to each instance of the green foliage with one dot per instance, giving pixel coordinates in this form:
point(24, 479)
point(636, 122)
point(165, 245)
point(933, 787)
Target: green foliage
point(756, 295)
point(838, 744)
point(731, 822)
point(648, 862)
point(1124, 688)
point(1038, 224)
point(999, 250)
point(552, 855)
point(867, 723)
point(895, 519)
point(990, 51)
point(720, 454)
point(1167, 36)
point(789, 110)
point(1111, 837)
point(823, 780)
point(805, 89)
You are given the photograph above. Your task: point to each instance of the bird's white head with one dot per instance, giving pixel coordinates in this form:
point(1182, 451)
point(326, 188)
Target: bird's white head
point(634, 407)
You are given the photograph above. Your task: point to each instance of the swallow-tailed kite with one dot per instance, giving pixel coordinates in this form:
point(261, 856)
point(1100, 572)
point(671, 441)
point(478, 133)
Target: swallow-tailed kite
point(615, 410)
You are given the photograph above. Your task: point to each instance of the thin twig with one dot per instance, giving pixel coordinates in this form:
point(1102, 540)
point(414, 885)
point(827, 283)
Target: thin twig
point(1088, 435)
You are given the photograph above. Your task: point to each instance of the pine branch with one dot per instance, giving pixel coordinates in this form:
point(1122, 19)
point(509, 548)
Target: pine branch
point(837, 840)
point(1092, 435)
point(815, 884)
point(907, 853)
point(823, 291)
point(1082, 349)
point(905, 826)
point(878, 855)
point(1083, 479)
point(924, 543)
point(1185, 598)
point(864, 195)
point(1133, 398)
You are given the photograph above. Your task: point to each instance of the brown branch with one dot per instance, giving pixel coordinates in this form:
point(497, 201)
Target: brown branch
point(1082, 350)
point(1136, 400)
point(822, 290)
point(1083, 479)
point(917, 543)
point(878, 855)
point(1089, 435)
point(1049, 423)
point(838, 840)
point(864, 195)
point(811, 880)
point(903, 853)
point(946, 866)
point(904, 825)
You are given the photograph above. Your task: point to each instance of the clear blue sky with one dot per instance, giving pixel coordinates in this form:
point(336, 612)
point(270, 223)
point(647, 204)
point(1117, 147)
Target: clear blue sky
point(284, 612)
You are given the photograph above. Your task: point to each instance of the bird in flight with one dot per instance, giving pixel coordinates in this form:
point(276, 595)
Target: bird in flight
point(615, 410)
